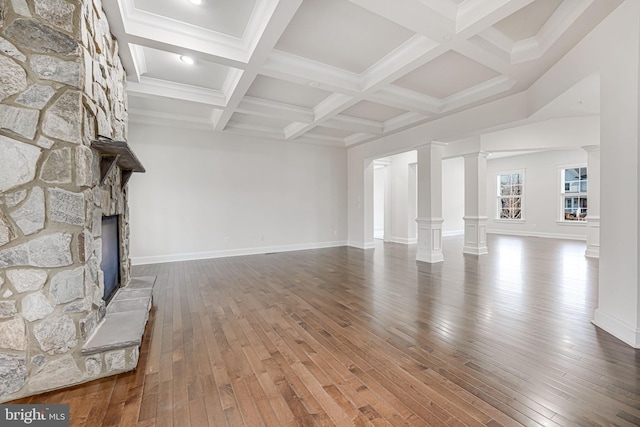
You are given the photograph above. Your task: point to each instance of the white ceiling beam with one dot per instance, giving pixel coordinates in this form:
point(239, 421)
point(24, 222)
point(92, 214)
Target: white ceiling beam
point(479, 92)
point(412, 54)
point(475, 16)
point(275, 110)
point(159, 32)
point(256, 130)
point(296, 129)
point(295, 69)
point(356, 138)
point(402, 121)
point(275, 17)
point(354, 124)
point(406, 99)
point(162, 118)
point(151, 86)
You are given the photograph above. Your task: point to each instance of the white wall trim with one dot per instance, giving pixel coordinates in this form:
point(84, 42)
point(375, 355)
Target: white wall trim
point(617, 328)
point(157, 259)
point(361, 245)
point(403, 240)
point(451, 233)
point(536, 234)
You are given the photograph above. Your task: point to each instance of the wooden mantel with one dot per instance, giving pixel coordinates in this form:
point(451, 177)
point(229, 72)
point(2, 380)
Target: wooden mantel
point(116, 153)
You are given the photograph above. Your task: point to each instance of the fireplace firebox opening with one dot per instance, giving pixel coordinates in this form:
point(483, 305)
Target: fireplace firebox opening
point(110, 255)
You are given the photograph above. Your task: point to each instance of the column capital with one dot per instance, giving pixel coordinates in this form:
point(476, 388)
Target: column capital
point(591, 148)
point(476, 154)
point(430, 145)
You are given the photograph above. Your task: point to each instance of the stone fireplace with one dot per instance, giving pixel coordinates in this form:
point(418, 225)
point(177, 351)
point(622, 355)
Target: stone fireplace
point(63, 167)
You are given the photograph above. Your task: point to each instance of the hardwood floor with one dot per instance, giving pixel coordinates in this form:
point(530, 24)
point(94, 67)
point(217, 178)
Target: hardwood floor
point(346, 337)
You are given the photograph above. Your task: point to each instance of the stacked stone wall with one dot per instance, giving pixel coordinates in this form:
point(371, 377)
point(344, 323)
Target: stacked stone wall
point(61, 85)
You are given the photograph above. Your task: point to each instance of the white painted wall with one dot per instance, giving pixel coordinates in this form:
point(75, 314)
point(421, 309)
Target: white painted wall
point(542, 194)
point(402, 217)
point(202, 187)
point(611, 50)
point(453, 196)
point(379, 193)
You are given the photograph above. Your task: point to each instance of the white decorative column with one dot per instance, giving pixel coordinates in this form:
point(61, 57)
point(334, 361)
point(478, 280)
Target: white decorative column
point(475, 204)
point(430, 202)
point(593, 201)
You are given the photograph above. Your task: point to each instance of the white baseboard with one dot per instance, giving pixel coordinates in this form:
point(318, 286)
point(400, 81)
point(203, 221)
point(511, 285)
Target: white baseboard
point(453, 233)
point(157, 259)
point(538, 234)
point(361, 245)
point(617, 328)
point(403, 240)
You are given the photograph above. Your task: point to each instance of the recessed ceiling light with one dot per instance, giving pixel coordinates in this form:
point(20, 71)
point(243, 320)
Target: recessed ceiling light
point(314, 84)
point(196, 2)
point(187, 60)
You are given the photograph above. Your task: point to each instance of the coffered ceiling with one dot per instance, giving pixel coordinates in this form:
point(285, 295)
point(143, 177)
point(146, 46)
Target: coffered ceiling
point(336, 72)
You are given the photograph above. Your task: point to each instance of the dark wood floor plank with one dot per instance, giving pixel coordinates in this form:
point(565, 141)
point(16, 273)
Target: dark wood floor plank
point(342, 336)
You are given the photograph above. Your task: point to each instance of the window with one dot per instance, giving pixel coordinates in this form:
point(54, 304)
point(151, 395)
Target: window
point(510, 194)
point(574, 193)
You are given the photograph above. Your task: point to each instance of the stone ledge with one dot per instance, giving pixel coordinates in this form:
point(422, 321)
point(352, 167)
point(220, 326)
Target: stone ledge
point(125, 319)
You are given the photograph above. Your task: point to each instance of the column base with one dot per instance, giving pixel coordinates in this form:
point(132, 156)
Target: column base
point(593, 237)
point(429, 240)
point(475, 235)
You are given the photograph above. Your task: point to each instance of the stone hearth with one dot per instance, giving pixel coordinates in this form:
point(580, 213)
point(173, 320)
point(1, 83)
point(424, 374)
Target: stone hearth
point(62, 89)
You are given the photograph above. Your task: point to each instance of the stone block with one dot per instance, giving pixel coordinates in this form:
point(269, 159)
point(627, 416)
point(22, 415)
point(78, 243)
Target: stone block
point(9, 49)
point(50, 251)
point(63, 119)
point(38, 360)
point(115, 361)
point(132, 360)
point(25, 280)
point(30, 216)
point(13, 78)
point(38, 37)
point(13, 373)
point(88, 325)
point(56, 12)
point(35, 307)
point(55, 374)
point(93, 365)
point(118, 330)
point(51, 68)
point(7, 233)
point(56, 335)
point(84, 166)
point(81, 306)
point(13, 334)
point(66, 207)
point(67, 285)
point(37, 96)
point(14, 199)
point(7, 309)
point(22, 121)
point(20, 7)
point(57, 167)
point(18, 161)
point(53, 250)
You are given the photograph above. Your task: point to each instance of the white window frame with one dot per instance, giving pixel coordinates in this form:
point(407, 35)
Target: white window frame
point(563, 194)
point(522, 196)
